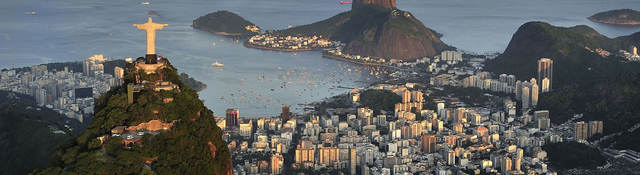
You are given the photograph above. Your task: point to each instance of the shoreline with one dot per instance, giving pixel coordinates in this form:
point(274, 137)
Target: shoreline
point(248, 45)
point(339, 58)
point(626, 23)
point(325, 54)
point(195, 26)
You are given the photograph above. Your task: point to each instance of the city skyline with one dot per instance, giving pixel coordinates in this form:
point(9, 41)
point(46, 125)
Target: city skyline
point(372, 90)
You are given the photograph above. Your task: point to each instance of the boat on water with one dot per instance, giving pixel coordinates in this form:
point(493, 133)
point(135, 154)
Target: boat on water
point(145, 3)
point(31, 13)
point(217, 64)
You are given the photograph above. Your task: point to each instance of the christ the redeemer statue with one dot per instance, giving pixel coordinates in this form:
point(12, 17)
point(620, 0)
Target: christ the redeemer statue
point(151, 28)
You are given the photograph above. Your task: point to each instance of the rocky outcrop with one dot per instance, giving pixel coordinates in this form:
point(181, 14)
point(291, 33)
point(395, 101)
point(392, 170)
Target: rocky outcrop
point(386, 4)
point(398, 35)
point(370, 30)
point(212, 149)
point(153, 125)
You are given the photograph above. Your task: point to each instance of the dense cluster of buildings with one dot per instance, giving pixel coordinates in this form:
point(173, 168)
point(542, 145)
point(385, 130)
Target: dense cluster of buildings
point(436, 64)
point(289, 43)
point(585, 130)
point(67, 92)
point(411, 139)
point(450, 56)
point(336, 53)
point(527, 92)
point(632, 55)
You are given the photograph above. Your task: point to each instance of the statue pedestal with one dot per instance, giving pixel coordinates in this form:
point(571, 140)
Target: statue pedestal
point(150, 68)
point(151, 59)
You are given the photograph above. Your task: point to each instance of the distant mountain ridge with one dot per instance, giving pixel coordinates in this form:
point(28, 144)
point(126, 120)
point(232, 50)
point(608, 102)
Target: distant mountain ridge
point(386, 4)
point(618, 17)
point(572, 50)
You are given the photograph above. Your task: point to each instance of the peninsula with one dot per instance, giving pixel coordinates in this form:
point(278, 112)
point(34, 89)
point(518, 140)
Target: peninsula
point(376, 28)
point(618, 17)
point(373, 29)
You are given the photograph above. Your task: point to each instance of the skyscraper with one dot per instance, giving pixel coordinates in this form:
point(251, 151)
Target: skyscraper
point(277, 160)
point(232, 118)
point(286, 113)
point(544, 122)
point(352, 160)
point(328, 155)
point(417, 96)
point(595, 127)
point(518, 90)
point(545, 85)
point(406, 96)
point(118, 72)
point(534, 94)
point(545, 70)
point(305, 153)
point(506, 164)
point(451, 157)
point(581, 131)
point(511, 80)
point(428, 143)
point(526, 97)
point(440, 109)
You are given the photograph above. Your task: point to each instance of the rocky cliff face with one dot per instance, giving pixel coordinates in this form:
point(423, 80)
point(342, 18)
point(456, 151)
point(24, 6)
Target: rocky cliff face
point(396, 34)
point(386, 4)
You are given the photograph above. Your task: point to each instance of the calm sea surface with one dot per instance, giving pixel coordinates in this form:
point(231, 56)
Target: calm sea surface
point(259, 82)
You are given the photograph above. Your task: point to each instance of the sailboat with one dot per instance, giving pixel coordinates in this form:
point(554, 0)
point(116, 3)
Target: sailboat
point(217, 64)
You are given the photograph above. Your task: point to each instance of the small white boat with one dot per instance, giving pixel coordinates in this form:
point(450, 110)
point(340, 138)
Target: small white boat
point(145, 3)
point(217, 64)
point(31, 13)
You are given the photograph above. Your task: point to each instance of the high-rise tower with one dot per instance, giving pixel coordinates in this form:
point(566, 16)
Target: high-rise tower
point(545, 70)
point(232, 118)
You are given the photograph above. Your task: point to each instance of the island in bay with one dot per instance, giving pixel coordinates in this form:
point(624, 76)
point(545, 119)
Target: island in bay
point(618, 17)
point(225, 23)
